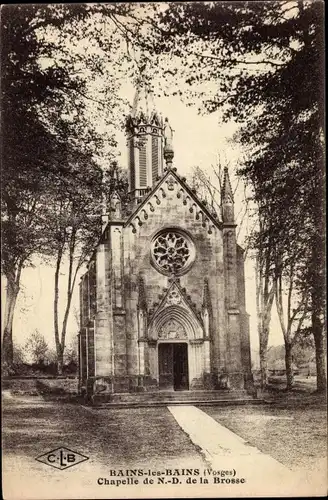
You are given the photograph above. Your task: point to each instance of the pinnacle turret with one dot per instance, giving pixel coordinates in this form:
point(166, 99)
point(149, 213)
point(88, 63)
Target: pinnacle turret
point(227, 201)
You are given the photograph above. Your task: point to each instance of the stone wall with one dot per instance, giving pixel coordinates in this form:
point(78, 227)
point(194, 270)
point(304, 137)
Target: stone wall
point(167, 210)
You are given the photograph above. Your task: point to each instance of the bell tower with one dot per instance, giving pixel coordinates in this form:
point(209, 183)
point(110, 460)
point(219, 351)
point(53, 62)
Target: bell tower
point(145, 142)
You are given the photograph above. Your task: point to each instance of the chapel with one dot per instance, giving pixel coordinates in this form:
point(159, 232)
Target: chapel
point(162, 304)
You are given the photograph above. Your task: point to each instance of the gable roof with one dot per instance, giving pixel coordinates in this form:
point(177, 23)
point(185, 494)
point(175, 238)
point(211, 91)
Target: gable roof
point(176, 306)
point(190, 193)
point(175, 295)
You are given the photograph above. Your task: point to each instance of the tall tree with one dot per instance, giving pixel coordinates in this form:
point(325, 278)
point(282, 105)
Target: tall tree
point(74, 227)
point(26, 148)
point(74, 222)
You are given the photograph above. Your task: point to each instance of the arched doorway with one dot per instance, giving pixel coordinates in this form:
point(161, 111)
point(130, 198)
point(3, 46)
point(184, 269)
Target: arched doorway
point(177, 361)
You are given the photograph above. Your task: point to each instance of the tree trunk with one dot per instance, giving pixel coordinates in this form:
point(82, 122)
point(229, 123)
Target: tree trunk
point(59, 351)
point(289, 367)
point(286, 330)
point(318, 292)
point(318, 306)
point(11, 298)
point(60, 361)
point(317, 329)
point(264, 362)
point(265, 292)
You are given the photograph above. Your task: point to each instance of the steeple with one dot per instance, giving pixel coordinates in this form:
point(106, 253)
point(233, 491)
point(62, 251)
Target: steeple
point(227, 202)
point(145, 141)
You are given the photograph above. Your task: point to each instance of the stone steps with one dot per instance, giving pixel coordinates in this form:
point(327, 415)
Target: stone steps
point(164, 398)
point(151, 404)
point(177, 395)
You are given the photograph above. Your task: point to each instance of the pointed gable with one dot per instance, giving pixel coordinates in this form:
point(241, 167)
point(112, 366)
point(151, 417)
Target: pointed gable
point(175, 317)
point(175, 296)
point(174, 183)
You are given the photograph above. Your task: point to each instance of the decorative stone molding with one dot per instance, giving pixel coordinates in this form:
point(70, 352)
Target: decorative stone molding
point(158, 201)
point(163, 192)
point(195, 206)
point(138, 220)
point(182, 314)
point(172, 330)
point(196, 341)
point(151, 208)
point(173, 297)
point(170, 183)
point(172, 252)
point(143, 211)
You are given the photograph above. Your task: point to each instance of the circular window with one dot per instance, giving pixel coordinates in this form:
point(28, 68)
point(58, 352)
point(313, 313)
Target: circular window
point(172, 252)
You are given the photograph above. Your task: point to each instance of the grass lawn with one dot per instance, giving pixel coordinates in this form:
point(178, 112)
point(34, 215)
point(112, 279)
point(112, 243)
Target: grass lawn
point(145, 437)
point(293, 429)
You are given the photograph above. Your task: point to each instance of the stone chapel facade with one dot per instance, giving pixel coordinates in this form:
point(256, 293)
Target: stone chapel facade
point(163, 299)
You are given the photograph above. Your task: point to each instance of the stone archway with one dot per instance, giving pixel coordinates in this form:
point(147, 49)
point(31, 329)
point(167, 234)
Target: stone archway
point(175, 322)
point(178, 339)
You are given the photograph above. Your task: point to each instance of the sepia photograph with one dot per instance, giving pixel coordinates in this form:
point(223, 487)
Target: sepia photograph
point(163, 271)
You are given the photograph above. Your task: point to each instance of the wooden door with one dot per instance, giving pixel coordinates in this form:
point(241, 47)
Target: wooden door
point(180, 367)
point(165, 366)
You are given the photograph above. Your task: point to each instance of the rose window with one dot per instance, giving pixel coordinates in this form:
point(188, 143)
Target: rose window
point(172, 252)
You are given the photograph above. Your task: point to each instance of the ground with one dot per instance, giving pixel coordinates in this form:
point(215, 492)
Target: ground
point(117, 437)
point(291, 429)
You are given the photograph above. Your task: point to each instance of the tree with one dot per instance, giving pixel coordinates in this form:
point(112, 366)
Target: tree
point(25, 150)
point(74, 223)
point(257, 53)
point(71, 354)
point(37, 347)
point(210, 190)
point(19, 356)
point(304, 349)
point(291, 299)
point(50, 87)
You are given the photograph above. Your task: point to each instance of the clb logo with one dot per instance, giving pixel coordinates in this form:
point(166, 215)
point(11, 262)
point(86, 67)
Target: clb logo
point(61, 458)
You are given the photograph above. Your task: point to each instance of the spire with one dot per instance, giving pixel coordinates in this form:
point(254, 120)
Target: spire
point(143, 102)
point(168, 144)
point(227, 201)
